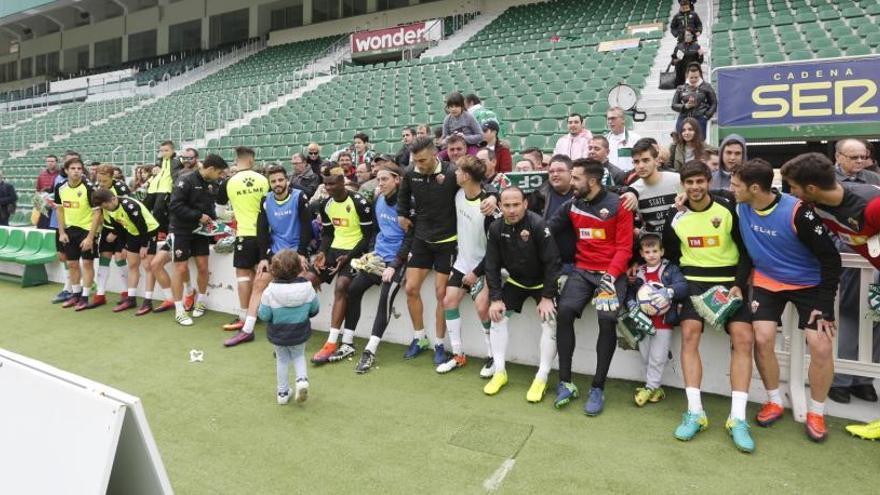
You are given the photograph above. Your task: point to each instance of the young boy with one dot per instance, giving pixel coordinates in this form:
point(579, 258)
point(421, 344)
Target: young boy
point(286, 306)
point(655, 348)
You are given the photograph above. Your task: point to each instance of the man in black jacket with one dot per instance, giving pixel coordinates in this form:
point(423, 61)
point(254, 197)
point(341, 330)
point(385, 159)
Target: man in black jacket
point(8, 200)
point(427, 193)
point(521, 244)
point(192, 205)
point(686, 21)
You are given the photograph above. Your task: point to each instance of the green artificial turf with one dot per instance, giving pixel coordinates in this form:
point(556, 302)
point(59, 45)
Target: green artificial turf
point(402, 428)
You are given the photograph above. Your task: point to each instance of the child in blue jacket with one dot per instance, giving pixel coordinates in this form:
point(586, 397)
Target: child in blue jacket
point(287, 305)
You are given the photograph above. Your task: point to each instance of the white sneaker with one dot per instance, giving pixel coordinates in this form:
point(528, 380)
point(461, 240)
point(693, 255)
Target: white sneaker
point(456, 361)
point(283, 398)
point(302, 390)
point(183, 319)
point(488, 368)
point(199, 310)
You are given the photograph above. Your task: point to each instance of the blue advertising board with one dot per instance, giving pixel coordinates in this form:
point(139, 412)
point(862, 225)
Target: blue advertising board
point(815, 98)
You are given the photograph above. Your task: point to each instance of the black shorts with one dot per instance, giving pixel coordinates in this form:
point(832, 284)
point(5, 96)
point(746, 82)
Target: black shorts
point(688, 312)
point(456, 279)
point(114, 246)
point(75, 236)
point(580, 287)
point(59, 248)
point(427, 255)
point(184, 245)
point(246, 254)
point(327, 275)
point(768, 305)
point(133, 246)
point(514, 296)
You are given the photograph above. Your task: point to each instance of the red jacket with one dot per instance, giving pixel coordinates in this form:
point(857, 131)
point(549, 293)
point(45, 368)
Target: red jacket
point(603, 230)
point(46, 180)
point(503, 158)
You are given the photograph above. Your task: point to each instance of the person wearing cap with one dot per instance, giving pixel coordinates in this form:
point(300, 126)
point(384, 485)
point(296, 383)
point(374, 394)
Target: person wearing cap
point(503, 158)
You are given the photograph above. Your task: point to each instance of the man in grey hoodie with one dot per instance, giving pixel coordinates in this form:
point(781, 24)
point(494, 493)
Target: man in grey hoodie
point(732, 154)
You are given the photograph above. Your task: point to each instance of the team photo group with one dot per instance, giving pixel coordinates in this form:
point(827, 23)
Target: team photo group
point(656, 242)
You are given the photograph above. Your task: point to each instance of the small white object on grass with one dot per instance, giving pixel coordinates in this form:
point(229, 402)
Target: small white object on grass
point(196, 356)
point(492, 483)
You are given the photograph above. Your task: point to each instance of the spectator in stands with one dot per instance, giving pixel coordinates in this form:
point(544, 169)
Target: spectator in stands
point(620, 139)
point(711, 159)
point(732, 153)
point(686, 21)
point(304, 178)
point(490, 160)
point(138, 185)
point(460, 122)
point(189, 158)
point(362, 149)
point(482, 114)
point(690, 145)
point(536, 156)
point(872, 160)
point(696, 98)
point(504, 160)
point(852, 158)
point(598, 150)
point(313, 158)
point(8, 200)
point(46, 183)
point(691, 53)
point(524, 165)
point(365, 181)
point(456, 147)
point(574, 144)
point(344, 160)
point(423, 130)
point(402, 158)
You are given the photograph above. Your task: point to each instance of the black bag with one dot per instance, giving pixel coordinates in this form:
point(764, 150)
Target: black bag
point(667, 78)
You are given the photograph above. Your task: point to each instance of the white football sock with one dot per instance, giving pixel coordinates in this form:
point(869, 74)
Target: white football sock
point(123, 272)
point(132, 291)
point(348, 336)
point(694, 403)
point(420, 334)
point(102, 273)
point(67, 285)
point(333, 335)
point(86, 291)
point(187, 289)
point(775, 396)
point(178, 307)
point(738, 401)
point(242, 313)
point(76, 289)
point(548, 350)
point(249, 323)
point(498, 335)
point(148, 295)
point(201, 298)
point(816, 407)
point(373, 344)
point(453, 328)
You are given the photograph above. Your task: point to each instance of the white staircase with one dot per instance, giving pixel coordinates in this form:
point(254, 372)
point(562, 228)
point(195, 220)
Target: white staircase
point(452, 43)
point(657, 103)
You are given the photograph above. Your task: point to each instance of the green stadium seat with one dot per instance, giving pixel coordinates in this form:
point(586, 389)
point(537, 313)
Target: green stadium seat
point(548, 127)
point(14, 243)
point(524, 127)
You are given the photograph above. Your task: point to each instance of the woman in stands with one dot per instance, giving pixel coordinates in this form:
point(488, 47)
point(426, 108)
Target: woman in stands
point(459, 121)
point(689, 145)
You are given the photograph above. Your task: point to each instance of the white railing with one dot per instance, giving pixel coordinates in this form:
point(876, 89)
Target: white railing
point(796, 358)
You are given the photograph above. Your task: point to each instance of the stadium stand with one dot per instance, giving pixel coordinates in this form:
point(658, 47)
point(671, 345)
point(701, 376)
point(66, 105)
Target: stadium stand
point(762, 31)
point(554, 79)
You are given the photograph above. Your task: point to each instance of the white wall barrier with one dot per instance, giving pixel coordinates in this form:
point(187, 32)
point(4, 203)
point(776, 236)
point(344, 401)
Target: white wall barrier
point(525, 331)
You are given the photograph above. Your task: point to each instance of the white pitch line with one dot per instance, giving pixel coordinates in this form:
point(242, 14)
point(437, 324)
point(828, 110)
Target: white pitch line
point(493, 482)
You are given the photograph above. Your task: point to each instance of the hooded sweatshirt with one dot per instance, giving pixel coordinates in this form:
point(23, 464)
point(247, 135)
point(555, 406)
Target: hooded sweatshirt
point(721, 177)
point(286, 307)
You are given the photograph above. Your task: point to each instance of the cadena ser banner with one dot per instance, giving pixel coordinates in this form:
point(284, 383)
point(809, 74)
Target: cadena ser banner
point(828, 97)
point(396, 38)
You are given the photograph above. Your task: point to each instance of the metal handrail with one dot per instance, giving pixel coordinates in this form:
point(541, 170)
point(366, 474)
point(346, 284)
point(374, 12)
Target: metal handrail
point(150, 134)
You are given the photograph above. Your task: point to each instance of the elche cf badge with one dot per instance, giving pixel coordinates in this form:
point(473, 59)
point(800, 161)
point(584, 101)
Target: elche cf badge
point(716, 222)
point(604, 213)
point(440, 178)
point(525, 235)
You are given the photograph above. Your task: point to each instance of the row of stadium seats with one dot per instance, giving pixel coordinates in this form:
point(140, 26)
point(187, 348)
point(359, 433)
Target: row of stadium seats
point(755, 31)
point(32, 248)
